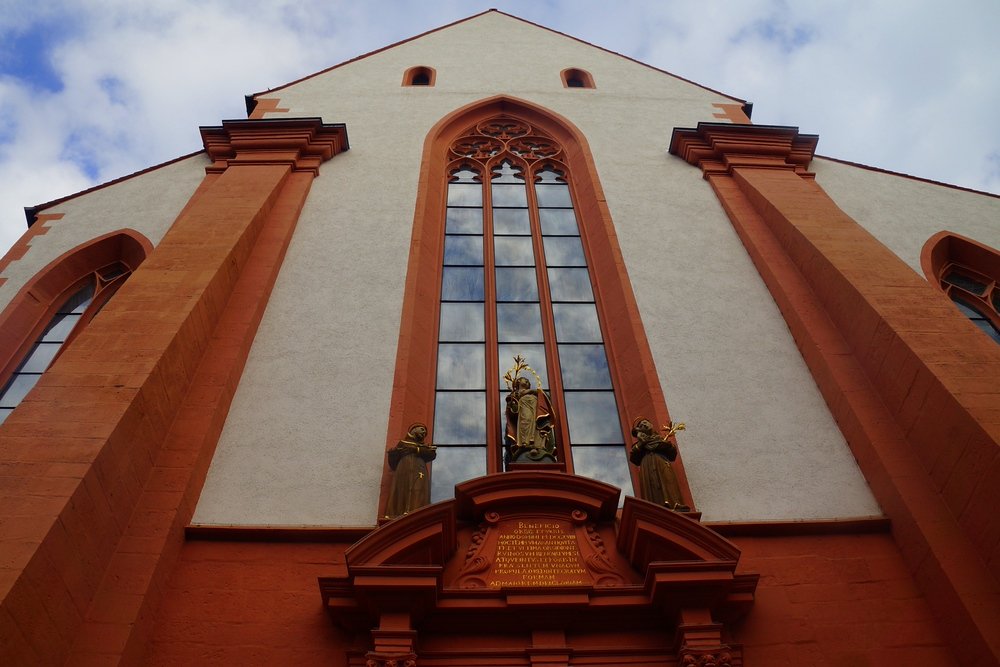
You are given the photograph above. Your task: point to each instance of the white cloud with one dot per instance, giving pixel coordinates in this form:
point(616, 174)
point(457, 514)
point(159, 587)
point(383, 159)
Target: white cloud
point(908, 86)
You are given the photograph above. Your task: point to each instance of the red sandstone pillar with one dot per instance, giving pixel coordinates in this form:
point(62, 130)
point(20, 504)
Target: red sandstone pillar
point(900, 368)
point(104, 459)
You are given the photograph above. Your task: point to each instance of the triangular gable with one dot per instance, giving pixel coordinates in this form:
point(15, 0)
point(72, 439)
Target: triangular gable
point(473, 18)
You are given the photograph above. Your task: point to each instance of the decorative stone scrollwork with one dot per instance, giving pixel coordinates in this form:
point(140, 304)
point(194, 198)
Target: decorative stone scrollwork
point(476, 147)
point(505, 128)
point(485, 142)
point(534, 148)
point(721, 658)
point(405, 660)
point(476, 562)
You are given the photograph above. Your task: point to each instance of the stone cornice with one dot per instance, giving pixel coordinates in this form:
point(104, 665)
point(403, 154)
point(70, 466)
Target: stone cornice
point(304, 143)
point(719, 147)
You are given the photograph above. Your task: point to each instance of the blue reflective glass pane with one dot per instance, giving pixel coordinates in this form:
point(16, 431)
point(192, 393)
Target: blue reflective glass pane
point(519, 322)
point(452, 466)
point(464, 175)
point(4, 413)
point(464, 221)
point(461, 366)
point(462, 284)
point(556, 195)
point(576, 323)
point(462, 322)
point(593, 418)
point(509, 196)
point(465, 194)
point(513, 251)
point(459, 418)
point(988, 327)
point(549, 175)
point(534, 356)
point(570, 285)
point(511, 221)
point(607, 464)
point(516, 284)
point(564, 251)
point(558, 222)
point(968, 310)
point(59, 328)
point(39, 358)
point(584, 367)
point(507, 172)
point(79, 301)
point(17, 389)
point(463, 250)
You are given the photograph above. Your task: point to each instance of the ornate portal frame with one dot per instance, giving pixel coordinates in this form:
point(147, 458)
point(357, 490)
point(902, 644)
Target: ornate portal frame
point(535, 568)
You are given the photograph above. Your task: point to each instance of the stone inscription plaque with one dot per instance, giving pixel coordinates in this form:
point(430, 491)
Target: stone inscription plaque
point(537, 552)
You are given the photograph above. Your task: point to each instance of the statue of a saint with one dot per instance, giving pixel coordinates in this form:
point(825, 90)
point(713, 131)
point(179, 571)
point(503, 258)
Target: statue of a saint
point(411, 482)
point(653, 452)
point(528, 434)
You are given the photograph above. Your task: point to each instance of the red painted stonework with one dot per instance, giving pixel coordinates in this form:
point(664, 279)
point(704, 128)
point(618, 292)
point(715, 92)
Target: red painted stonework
point(109, 451)
point(524, 557)
point(22, 245)
point(900, 369)
point(822, 601)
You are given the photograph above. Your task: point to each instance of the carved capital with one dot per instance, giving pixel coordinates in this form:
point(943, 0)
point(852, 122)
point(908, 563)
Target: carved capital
point(718, 148)
point(304, 143)
point(720, 658)
point(378, 659)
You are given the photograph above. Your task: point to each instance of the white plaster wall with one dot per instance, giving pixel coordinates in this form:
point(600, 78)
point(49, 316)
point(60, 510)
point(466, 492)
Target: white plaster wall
point(304, 443)
point(904, 212)
point(148, 203)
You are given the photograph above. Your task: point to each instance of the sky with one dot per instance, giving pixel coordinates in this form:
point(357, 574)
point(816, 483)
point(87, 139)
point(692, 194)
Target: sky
point(91, 90)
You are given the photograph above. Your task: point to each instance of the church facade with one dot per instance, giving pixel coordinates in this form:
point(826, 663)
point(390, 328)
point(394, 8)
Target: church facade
point(541, 356)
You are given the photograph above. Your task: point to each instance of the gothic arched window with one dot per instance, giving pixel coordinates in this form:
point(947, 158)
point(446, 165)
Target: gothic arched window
point(515, 283)
point(969, 273)
point(514, 254)
point(52, 309)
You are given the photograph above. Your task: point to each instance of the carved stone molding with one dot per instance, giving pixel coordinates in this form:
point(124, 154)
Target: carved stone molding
point(718, 148)
point(514, 554)
point(304, 143)
point(380, 660)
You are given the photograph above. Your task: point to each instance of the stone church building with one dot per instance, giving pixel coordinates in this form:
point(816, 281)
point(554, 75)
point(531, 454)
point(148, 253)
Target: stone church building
point(442, 358)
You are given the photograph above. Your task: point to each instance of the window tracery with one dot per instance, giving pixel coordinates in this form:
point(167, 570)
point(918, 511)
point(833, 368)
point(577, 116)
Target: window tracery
point(516, 282)
point(969, 274)
point(85, 301)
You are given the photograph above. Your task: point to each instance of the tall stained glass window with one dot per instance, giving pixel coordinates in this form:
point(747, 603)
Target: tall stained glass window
point(515, 281)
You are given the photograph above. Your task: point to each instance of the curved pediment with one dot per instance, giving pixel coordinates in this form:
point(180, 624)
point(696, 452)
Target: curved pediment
point(531, 491)
point(649, 533)
point(423, 537)
point(510, 546)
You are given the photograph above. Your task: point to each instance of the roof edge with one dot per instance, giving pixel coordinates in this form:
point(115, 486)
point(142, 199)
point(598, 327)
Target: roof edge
point(517, 18)
point(252, 96)
point(911, 177)
point(31, 212)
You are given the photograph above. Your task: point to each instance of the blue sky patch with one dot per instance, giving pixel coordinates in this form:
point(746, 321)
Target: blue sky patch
point(78, 150)
point(27, 55)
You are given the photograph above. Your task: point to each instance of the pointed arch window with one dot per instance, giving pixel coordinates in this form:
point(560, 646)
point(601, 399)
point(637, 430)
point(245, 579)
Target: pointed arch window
point(56, 305)
point(515, 281)
point(70, 317)
point(969, 273)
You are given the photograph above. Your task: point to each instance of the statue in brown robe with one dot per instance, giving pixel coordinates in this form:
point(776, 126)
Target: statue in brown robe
point(653, 452)
point(411, 481)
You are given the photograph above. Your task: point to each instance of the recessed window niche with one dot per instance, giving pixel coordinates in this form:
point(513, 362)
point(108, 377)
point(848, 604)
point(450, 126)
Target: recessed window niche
point(419, 76)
